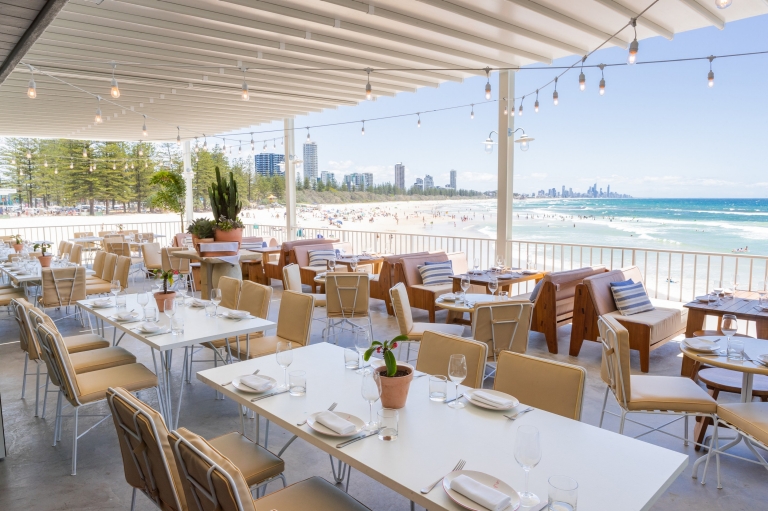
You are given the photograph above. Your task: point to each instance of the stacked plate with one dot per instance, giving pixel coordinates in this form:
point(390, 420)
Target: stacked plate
point(491, 399)
point(706, 344)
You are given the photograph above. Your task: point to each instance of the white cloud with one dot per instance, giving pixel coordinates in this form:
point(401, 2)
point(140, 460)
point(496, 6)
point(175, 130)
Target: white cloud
point(470, 177)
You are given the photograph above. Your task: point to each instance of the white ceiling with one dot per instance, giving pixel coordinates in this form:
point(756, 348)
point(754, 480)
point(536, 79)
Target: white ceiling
point(177, 59)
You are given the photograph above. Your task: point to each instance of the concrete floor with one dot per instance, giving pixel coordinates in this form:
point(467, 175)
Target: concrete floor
point(35, 475)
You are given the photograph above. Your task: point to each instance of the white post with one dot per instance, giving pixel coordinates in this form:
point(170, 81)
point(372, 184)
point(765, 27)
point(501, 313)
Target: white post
point(290, 178)
point(188, 175)
point(505, 167)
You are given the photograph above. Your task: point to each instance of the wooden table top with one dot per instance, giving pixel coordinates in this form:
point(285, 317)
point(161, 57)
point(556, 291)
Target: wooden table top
point(245, 255)
point(485, 277)
point(743, 306)
point(752, 347)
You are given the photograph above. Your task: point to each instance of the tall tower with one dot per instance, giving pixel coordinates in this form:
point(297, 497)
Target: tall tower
point(400, 176)
point(310, 161)
point(453, 179)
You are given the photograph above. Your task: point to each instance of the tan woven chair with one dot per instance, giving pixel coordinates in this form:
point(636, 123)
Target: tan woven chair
point(76, 254)
point(346, 301)
point(102, 281)
point(84, 389)
point(292, 281)
point(62, 287)
point(436, 350)
point(169, 261)
point(67, 248)
point(98, 265)
point(502, 326)
point(152, 257)
point(669, 395)
point(546, 384)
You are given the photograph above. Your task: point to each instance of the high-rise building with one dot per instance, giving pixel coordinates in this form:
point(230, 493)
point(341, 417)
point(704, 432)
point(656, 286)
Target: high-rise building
point(268, 164)
point(327, 177)
point(419, 183)
point(428, 182)
point(453, 179)
point(310, 161)
point(358, 181)
point(400, 176)
point(563, 193)
point(367, 180)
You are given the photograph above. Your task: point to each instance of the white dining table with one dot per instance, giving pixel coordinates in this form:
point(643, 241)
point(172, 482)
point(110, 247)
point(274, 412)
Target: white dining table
point(198, 328)
point(614, 472)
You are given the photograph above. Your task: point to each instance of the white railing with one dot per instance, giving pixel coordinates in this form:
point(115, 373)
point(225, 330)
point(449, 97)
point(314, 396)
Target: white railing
point(58, 233)
point(676, 275)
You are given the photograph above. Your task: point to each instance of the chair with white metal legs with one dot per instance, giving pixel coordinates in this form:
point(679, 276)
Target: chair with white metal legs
point(750, 421)
point(292, 280)
point(85, 389)
point(29, 347)
point(230, 298)
point(661, 395)
point(346, 300)
point(502, 326)
point(436, 350)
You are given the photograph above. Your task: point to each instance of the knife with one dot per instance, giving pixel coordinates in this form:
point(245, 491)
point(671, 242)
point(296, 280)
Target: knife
point(268, 395)
point(454, 399)
point(352, 441)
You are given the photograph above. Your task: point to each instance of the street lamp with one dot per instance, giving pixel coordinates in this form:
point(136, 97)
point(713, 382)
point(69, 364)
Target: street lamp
point(524, 140)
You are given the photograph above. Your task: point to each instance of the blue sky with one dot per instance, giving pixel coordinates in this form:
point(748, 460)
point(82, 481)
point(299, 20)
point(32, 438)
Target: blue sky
point(659, 131)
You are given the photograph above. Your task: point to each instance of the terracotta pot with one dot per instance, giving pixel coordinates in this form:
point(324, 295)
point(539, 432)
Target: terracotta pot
point(45, 260)
point(233, 235)
point(394, 390)
point(18, 247)
point(160, 298)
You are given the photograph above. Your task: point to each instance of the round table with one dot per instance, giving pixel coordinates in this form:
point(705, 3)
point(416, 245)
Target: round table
point(457, 309)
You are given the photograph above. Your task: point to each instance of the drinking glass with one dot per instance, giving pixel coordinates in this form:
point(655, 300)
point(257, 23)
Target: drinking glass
point(438, 388)
point(284, 357)
point(332, 264)
point(457, 371)
point(210, 310)
point(712, 299)
point(729, 327)
point(177, 325)
point(762, 290)
point(500, 262)
point(362, 343)
point(527, 455)
point(465, 284)
point(297, 383)
point(351, 359)
point(503, 295)
point(371, 391)
point(353, 264)
point(563, 493)
point(493, 285)
point(475, 264)
point(170, 307)
point(142, 299)
point(150, 314)
point(114, 287)
point(121, 302)
point(216, 298)
point(388, 424)
point(735, 287)
point(717, 288)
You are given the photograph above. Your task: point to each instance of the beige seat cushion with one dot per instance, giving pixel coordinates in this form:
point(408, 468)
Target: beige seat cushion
point(751, 418)
point(438, 289)
point(259, 347)
point(84, 342)
point(256, 463)
point(97, 288)
point(319, 299)
point(315, 269)
point(94, 360)
point(564, 306)
point(664, 322)
point(419, 328)
point(671, 393)
point(132, 377)
point(5, 298)
point(315, 494)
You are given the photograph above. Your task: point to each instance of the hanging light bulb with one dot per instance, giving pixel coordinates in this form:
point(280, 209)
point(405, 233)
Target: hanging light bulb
point(582, 81)
point(253, 144)
point(71, 164)
point(197, 147)
point(368, 94)
point(205, 143)
point(418, 123)
point(362, 132)
point(711, 74)
point(29, 154)
point(115, 90)
point(307, 137)
point(240, 149)
point(21, 173)
point(723, 4)
point(85, 152)
point(90, 168)
point(178, 136)
point(32, 88)
point(56, 170)
point(520, 110)
point(126, 167)
point(602, 79)
point(488, 83)
point(145, 165)
point(132, 167)
point(144, 127)
point(13, 160)
point(506, 110)
point(45, 163)
point(536, 104)
point(98, 119)
point(555, 97)
point(265, 146)
point(512, 110)
point(244, 93)
point(114, 166)
point(634, 46)
point(225, 145)
point(472, 113)
point(274, 144)
point(197, 158)
point(141, 151)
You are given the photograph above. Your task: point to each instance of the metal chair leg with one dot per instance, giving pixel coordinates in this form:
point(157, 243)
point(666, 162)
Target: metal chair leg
point(45, 395)
point(24, 378)
point(133, 499)
point(685, 432)
point(74, 443)
point(605, 401)
point(37, 389)
point(623, 418)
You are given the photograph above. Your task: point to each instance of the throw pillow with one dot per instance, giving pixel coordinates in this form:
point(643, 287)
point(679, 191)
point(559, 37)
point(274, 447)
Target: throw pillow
point(434, 274)
point(630, 297)
point(319, 257)
point(536, 290)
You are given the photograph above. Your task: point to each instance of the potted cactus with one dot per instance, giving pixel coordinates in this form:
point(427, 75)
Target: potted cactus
point(45, 259)
point(226, 205)
point(167, 278)
point(395, 378)
point(17, 242)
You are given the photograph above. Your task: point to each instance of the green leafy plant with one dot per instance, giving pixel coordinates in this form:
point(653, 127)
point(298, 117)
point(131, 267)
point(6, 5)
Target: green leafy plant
point(170, 194)
point(119, 227)
point(17, 239)
point(43, 247)
point(226, 225)
point(202, 228)
point(225, 201)
point(386, 347)
point(167, 277)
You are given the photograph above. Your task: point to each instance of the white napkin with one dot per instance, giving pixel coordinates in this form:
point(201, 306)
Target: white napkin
point(490, 399)
point(150, 327)
point(336, 423)
point(700, 344)
point(506, 276)
point(197, 302)
point(480, 493)
point(238, 314)
point(126, 315)
point(256, 382)
point(450, 297)
point(102, 302)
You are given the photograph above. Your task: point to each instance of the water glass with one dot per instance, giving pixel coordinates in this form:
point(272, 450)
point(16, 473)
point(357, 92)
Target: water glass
point(371, 392)
point(353, 264)
point(297, 383)
point(717, 288)
point(169, 307)
point(735, 348)
point(465, 285)
point(388, 424)
point(762, 291)
point(150, 314)
point(351, 359)
point(210, 309)
point(438, 388)
point(142, 299)
point(331, 264)
point(121, 302)
point(504, 295)
point(729, 326)
point(493, 285)
point(563, 493)
point(216, 298)
point(177, 325)
point(114, 287)
point(475, 265)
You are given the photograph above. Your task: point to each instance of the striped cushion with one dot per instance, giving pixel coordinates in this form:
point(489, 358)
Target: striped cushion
point(432, 274)
point(319, 257)
point(630, 297)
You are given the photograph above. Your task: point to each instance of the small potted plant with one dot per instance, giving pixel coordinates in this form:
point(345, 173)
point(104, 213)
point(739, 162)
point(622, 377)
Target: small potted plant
point(45, 259)
point(226, 205)
point(202, 231)
point(18, 242)
point(161, 297)
point(395, 378)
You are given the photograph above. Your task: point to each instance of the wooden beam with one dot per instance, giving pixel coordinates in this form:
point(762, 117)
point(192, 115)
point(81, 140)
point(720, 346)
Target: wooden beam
point(705, 13)
point(642, 21)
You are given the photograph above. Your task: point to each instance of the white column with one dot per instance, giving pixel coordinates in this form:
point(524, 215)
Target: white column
point(505, 167)
point(188, 176)
point(290, 178)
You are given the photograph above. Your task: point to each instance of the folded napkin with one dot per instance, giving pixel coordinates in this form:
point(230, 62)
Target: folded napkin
point(335, 423)
point(490, 399)
point(197, 302)
point(256, 382)
point(480, 493)
point(449, 297)
point(126, 315)
point(102, 302)
point(238, 314)
point(149, 327)
point(700, 344)
point(506, 276)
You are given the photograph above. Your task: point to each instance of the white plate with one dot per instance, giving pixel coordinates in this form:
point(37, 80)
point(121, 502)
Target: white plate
point(763, 308)
point(102, 305)
point(529, 272)
point(229, 315)
point(449, 297)
point(312, 423)
point(703, 299)
point(468, 395)
point(763, 357)
point(481, 478)
point(245, 388)
point(709, 340)
point(197, 303)
point(128, 317)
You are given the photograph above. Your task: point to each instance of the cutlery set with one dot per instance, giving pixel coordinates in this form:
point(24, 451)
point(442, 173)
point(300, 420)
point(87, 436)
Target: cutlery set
point(330, 409)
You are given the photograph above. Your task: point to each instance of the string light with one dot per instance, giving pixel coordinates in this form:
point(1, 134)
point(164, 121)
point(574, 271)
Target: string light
point(85, 152)
point(90, 168)
point(274, 144)
point(240, 149)
point(723, 4)
point(32, 88)
point(244, 93)
point(253, 144)
point(512, 110)
point(13, 160)
point(555, 97)
point(205, 142)
point(132, 167)
point(536, 104)
point(144, 127)
point(520, 110)
point(368, 94)
point(472, 113)
point(146, 165)
point(56, 170)
point(711, 75)
point(265, 146)
point(126, 167)
point(307, 136)
point(114, 166)
point(418, 123)
point(115, 90)
point(178, 136)
point(634, 46)
point(505, 106)
point(29, 154)
point(602, 79)
point(488, 83)
point(98, 119)
point(71, 163)
point(197, 147)
point(362, 132)
point(21, 172)
point(45, 163)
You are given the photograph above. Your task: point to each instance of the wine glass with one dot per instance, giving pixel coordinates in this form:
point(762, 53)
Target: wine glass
point(284, 357)
point(475, 264)
point(332, 264)
point(465, 283)
point(169, 308)
point(371, 391)
point(142, 299)
point(500, 262)
point(762, 290)
point(734, 289)
point(353, 264)
point(362, 343)
point(729, 327)
point(114, 287)
point(457, 371)
point(717, 288)
point(216, 298)
point(493, 285)
point(527, 455)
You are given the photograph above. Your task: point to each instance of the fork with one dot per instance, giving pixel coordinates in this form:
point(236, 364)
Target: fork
point(518, 414)
point(330, 409)
point(429, 488)
point(230, 382)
